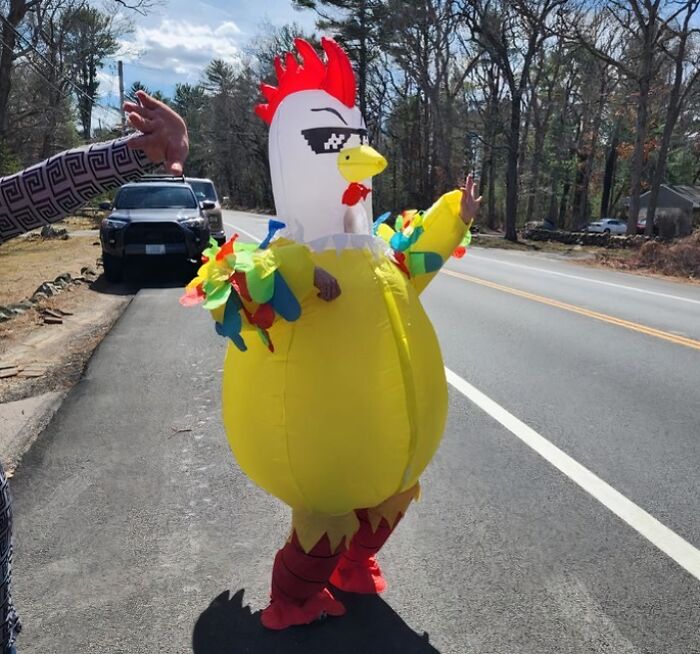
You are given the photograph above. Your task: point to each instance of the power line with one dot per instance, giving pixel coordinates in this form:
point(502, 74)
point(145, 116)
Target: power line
point(43, 76)
point(91, 99)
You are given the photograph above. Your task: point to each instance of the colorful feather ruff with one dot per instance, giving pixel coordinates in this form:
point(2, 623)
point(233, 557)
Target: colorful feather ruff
point(241, 281)
point(406, 232)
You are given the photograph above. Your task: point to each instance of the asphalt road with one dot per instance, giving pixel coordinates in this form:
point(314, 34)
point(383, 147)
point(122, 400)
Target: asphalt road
point(136, 532)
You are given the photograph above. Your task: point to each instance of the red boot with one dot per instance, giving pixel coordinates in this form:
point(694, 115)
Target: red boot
point(359, 576)
point(299, 594)
point(284, 612)
point(358, 570)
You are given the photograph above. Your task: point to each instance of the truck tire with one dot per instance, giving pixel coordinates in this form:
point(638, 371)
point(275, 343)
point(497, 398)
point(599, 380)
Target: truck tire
point(114, 267)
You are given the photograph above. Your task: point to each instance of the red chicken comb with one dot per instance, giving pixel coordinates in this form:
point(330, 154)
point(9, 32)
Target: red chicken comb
point(336, 76)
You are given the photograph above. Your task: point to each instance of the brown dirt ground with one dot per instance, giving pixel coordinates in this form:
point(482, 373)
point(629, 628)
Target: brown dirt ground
point(62, 350)
point(27, 262)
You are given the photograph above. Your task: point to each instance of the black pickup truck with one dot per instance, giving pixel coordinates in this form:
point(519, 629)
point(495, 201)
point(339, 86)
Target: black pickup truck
point(154, 217)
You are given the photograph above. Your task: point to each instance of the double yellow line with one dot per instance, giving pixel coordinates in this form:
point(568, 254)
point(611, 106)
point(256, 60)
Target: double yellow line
point(603, 317)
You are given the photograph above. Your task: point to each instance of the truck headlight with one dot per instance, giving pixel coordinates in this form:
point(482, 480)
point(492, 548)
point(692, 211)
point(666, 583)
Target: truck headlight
point(114, 223)
point(194, 223)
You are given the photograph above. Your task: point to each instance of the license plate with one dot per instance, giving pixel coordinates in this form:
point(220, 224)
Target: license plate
point(155, 249)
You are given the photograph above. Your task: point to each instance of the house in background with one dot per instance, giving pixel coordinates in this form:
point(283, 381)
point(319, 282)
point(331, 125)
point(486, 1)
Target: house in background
point(678, 207)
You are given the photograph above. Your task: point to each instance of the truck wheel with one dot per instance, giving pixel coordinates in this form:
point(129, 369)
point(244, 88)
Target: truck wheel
point(114, 267)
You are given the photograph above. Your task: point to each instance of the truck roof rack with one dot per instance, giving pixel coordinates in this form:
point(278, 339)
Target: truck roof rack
point(161, 178)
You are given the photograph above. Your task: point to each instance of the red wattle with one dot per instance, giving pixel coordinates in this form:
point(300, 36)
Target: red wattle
point(354, 193)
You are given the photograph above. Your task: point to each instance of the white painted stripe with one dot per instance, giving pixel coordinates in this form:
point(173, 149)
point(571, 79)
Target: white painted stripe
point(585, 279)
point(682, 552)
point(257, 239)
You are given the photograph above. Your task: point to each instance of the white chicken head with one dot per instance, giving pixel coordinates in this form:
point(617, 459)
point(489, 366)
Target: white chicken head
point(320, 163)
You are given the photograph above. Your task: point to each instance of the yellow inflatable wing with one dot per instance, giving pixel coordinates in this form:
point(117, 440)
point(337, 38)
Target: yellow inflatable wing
point(443, 232)
point(423, 241)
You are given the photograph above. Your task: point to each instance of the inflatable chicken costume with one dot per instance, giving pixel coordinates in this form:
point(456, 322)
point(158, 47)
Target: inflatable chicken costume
point(334, 407)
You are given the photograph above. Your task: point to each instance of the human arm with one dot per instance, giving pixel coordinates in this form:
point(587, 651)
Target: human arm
point(51, 190)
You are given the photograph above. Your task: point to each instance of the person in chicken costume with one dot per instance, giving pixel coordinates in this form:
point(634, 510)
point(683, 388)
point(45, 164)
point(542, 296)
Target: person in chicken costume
point(339, 402)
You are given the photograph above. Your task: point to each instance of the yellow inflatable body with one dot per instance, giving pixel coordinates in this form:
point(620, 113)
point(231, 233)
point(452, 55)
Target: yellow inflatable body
point(351, 407)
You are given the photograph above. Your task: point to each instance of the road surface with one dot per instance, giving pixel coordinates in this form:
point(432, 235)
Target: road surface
point(559, 516)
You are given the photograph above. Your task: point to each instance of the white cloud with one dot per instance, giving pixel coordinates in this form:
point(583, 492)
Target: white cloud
point(109, 83)
point(182, 46)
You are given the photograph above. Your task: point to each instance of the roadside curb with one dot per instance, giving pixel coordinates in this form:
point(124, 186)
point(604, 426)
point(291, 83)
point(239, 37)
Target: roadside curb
point(21, 423)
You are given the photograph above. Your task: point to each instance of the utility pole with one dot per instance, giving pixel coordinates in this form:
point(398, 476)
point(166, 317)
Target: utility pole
point(120, 70)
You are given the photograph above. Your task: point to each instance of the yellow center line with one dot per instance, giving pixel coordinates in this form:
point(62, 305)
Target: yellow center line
point(603, 317)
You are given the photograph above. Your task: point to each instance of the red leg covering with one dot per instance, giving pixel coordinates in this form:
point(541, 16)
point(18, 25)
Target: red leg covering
point(299, 594)
point(358, 570)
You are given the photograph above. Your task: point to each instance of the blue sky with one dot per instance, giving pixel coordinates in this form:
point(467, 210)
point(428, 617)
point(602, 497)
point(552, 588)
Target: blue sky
point(178, 38)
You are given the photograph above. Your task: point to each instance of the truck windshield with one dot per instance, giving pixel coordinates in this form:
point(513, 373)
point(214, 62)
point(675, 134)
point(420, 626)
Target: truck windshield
point(204, 191)
point(155, 197)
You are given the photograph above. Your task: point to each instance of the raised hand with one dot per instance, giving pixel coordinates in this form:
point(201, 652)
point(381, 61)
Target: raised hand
point(470, 204)
point(163, 132)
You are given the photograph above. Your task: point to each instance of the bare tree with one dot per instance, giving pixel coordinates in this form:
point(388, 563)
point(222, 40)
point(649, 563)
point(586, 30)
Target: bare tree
point(487, 97)
point(513, 32)
point(686, 70)
point(648, 32)
point(543, 106)
point(427, 45)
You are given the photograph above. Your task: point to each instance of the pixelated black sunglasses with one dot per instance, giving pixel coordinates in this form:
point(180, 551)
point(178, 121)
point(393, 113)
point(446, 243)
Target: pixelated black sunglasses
point(331, 139)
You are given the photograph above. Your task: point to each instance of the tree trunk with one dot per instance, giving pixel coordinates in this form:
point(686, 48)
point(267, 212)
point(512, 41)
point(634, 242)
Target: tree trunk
point(638, 156)
point(512, 169)
point(362, 63)
point(535, 165)
point(674, 108)
point(49, 136)
point(484, 172)
point(18, 9)
point(553, 213)
point(609, 175)
point(580, 157)
point(525, 131)
point(561, 220)
point(584, 213)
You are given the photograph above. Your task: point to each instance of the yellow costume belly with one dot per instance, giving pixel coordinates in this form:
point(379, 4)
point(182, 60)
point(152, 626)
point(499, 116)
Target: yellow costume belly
point(351, 406)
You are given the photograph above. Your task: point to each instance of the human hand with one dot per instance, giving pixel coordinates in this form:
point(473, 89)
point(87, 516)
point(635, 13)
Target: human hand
point(327, 285)
point(470, 204)
point(163, 132)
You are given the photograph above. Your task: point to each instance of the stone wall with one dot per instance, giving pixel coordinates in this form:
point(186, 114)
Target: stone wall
point(585, 238)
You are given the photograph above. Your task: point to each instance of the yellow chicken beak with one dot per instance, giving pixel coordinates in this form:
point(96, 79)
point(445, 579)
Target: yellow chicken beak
point(363, 162)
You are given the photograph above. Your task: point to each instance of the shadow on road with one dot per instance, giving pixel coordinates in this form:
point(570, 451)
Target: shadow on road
point(147, 274)
point(370, 626)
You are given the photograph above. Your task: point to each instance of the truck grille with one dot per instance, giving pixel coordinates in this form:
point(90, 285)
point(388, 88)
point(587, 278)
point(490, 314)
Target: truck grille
point(151, 233)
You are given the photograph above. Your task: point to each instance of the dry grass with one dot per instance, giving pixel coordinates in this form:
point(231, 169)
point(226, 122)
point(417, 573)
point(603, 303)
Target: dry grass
point(498, 242)
point(680, 258)
point(74, 223)
point(25, 263)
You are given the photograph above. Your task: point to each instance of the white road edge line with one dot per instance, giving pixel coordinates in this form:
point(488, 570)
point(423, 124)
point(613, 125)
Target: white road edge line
point(682, 552)
point(587, 279)
point(243, 231)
